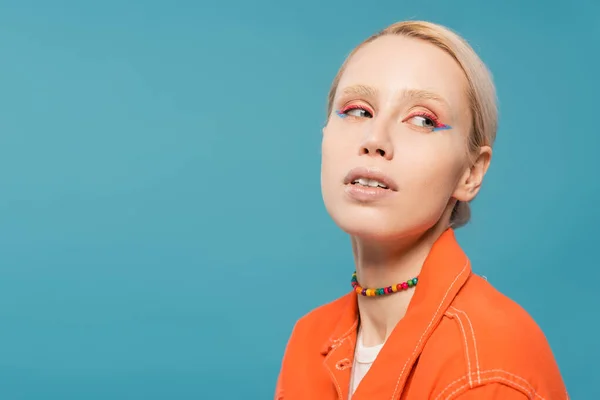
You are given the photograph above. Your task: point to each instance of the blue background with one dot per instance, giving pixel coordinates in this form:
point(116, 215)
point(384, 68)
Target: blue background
point(161, 222)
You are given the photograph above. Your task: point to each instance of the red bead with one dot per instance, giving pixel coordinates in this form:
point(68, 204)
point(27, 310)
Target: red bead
point(386, 291)
point(405, 286)
point(399, 287)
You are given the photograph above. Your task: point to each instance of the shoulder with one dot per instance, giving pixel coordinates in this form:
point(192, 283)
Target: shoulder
point(311, 338)
point(316, 328)
point(325, 315)
point(500, 328)
point(498, 342)
point(318, 324)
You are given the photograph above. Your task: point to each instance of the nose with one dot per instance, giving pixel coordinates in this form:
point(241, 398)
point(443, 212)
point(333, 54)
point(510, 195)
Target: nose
point(377, 143)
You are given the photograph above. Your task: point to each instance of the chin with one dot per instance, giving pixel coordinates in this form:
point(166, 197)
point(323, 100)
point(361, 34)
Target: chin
point(369, 223)
point(380, 224)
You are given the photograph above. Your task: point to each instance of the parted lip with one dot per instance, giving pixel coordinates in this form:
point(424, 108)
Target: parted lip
point(370, 173)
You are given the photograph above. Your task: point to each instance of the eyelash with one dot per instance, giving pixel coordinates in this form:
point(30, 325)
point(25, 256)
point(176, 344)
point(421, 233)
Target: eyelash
point(344, 111)
point(437, 125)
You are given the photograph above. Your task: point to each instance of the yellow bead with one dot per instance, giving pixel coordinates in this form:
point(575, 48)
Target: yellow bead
point(394, 288)
point(371, 292)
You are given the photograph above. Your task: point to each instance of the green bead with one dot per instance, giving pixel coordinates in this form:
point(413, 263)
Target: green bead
point(410, 283)
point(380, 292)
point(414, 281)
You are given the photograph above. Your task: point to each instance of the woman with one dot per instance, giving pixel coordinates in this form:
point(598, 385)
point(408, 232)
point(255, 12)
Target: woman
point(411, 122)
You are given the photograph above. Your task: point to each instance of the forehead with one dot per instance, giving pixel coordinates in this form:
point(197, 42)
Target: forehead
point(393, 64)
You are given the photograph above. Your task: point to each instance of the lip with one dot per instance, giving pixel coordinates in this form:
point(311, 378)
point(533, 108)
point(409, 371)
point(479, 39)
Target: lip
point(367, 194)
point(370, 173)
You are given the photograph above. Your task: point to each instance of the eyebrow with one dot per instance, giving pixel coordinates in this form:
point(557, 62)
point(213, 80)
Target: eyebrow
point(422, 94)
point(360, 90)
point(412, 94)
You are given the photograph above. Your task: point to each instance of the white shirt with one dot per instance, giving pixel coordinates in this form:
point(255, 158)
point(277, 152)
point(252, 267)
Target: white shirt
point(363, 359)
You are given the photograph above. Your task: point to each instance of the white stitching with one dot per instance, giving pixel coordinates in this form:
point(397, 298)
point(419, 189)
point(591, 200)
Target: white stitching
point(531, 388)
point(343, 364)
point(489, 371)
point(354, 324)
point(337, 385)
point(474, 341)
point(462, 329)
point(336, 342)
point(339, 342)
point(429, 326)
point(497, 378)
point(450, 385)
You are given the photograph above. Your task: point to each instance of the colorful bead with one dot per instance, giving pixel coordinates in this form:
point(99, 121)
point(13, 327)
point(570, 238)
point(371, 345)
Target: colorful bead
point(381, 291)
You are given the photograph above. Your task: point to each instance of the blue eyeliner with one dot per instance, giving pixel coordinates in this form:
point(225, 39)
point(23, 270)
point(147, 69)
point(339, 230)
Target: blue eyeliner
point(442, 128)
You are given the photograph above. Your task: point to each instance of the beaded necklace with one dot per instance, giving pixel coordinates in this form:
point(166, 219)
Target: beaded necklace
point(382, 291)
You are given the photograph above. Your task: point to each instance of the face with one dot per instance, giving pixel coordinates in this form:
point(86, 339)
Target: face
point(394, 150)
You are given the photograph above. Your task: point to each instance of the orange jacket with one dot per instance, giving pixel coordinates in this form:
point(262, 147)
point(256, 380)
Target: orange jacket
point(460, 339)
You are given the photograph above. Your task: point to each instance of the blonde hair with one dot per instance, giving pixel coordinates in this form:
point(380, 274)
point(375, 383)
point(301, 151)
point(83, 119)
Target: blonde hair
point(481, 92)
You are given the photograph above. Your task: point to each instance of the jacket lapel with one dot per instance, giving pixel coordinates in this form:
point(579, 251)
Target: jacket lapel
point(444, 272)
point(339, 348)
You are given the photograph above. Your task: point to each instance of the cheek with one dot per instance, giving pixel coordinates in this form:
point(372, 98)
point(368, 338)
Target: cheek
point(330, 165)
point(336, 158)
point(432, 169)
point(336, 149)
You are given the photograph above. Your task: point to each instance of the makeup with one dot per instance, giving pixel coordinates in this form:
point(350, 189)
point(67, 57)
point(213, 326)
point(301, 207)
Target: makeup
point(438, 126)
point(356, 111)
point(442, 127)
point(425, 119)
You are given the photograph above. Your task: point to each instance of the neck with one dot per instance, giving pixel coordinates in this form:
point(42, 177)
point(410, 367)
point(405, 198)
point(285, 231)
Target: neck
point(381, 264)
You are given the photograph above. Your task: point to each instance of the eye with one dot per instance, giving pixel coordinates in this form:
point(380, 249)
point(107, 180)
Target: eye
point(355, 111)
point(423, 122)
point(426, 121)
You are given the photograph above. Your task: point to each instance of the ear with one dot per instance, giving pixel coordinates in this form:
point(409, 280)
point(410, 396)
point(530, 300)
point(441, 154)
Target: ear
point(472, 178)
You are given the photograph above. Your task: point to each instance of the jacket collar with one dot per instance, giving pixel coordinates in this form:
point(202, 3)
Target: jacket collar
point(444, 272)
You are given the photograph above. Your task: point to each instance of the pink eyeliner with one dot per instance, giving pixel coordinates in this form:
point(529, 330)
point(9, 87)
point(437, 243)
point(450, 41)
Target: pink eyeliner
point(442, 127)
